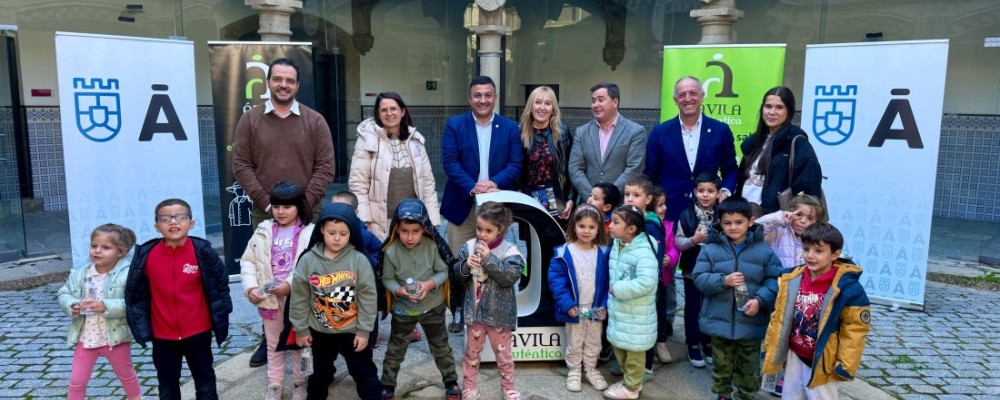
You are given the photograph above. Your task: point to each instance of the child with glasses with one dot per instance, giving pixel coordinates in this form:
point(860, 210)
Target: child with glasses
point(177, 296)
point(632, 280)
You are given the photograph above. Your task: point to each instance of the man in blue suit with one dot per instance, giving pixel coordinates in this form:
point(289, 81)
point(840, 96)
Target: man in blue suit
point(687, 145)
point(481, 153)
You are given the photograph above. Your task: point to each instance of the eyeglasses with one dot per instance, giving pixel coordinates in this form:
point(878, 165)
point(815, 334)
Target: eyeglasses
point(180, 218)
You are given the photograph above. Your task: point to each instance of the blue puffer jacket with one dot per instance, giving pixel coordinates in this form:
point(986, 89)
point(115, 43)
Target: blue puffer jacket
point(632, 302)
point(565, 291)
point(760, 268)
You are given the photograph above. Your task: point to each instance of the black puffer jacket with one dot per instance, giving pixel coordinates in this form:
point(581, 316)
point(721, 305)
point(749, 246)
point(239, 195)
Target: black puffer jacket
point(807, 174)
point(214, 280)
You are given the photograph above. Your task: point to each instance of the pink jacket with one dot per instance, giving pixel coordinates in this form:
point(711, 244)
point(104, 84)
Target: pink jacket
point(667, 273)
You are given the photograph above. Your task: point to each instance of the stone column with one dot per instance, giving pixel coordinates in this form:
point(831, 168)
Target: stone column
point(717, 18)
point(275, 18)
point(490, 30)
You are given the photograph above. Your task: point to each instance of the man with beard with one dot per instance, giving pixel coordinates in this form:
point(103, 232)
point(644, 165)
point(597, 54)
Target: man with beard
point(282, 140)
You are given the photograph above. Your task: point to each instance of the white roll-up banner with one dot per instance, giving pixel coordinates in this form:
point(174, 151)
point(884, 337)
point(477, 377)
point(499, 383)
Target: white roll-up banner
point(130, 132)
point(874, 110)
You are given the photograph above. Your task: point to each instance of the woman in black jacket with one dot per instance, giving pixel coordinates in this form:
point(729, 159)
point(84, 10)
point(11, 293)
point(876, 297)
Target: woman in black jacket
point(764, 171)
point(546, 142)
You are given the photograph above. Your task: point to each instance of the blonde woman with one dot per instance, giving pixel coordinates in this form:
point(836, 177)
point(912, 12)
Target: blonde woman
point(390, 153)
point(545, 145)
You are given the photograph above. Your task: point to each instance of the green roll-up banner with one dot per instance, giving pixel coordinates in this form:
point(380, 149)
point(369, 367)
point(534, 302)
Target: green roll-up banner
point(734, 78)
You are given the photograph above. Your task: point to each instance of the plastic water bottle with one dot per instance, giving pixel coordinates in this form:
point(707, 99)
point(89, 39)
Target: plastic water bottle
point(90, 294)
point(306, 361)
point(412, 287)
point(741, 296)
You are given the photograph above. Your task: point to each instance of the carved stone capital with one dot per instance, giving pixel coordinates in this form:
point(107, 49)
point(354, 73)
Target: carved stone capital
point(275, 18)
point(716, 18)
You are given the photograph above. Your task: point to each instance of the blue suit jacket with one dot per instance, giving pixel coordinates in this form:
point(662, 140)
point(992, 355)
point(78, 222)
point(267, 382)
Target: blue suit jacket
point(667, 162)
point(460, 156)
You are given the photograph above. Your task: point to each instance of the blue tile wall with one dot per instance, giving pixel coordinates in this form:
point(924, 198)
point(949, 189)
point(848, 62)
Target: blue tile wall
point(47, 169)
point(968, 177)
point(49, 173)
point(968, 185)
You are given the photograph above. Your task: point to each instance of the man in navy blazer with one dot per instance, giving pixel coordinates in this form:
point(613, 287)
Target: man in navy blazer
point(685, 146)
point(481, 153)
point(467, 138)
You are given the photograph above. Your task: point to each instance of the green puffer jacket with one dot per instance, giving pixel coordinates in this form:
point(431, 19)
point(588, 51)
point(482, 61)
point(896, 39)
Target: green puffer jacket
point(632, 302)
point(114, 301)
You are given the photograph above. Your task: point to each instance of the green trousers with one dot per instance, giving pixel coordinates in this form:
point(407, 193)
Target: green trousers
point(437, 340)
point(633, 365)
point(736, 373)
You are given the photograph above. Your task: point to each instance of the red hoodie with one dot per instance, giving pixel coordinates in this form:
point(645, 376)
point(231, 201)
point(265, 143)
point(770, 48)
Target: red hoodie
point(179, 306)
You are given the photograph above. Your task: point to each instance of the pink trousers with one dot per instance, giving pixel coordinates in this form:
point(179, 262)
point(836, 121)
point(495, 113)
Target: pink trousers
point(500, 340)
point(276, 359)
point(120, 357)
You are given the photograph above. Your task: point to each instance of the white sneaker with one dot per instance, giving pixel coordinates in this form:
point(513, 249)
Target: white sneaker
point(273, 392)
point(663, 354)
point(596, 379)
point(573, 380)
point(300, 392)
point(618, 391)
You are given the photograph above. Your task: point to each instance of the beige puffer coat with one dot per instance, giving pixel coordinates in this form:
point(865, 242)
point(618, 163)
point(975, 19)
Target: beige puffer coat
point(369, 180)
point(255, 264)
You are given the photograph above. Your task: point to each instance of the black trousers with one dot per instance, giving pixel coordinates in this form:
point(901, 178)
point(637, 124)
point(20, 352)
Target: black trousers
point(325, 348)
point(692, 307)
point(197, 350)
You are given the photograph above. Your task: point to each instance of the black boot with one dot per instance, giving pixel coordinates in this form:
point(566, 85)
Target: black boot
point(259, 357)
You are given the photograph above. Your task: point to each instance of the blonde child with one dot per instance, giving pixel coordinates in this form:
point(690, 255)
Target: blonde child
point(783, 229)
point(631, 299)
point(266, 270)
point(489, 267)
point(333, 305)
point(94, 297)
point(578, 277)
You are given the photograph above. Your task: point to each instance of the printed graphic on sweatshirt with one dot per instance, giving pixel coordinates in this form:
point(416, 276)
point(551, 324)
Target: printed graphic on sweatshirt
point(806, 324)
point(190, 269)
point(334, 308)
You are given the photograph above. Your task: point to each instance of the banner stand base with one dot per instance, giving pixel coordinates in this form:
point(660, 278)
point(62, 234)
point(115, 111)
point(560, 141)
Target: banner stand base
point(897, 304)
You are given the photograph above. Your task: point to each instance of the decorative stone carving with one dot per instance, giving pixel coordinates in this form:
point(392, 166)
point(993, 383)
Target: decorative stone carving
point(717, 18)
point(361, 16)
point(275, 18)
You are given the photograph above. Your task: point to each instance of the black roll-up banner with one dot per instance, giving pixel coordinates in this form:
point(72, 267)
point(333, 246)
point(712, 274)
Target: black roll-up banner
point(239, 82)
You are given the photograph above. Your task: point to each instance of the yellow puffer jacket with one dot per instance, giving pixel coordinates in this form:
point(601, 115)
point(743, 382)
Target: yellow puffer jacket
point(844, 322)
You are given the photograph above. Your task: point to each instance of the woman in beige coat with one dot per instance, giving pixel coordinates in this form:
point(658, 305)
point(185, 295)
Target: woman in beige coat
point(390, 153)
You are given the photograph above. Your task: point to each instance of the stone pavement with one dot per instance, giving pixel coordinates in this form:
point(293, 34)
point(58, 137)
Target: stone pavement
point(38, 360)
point(948, 352)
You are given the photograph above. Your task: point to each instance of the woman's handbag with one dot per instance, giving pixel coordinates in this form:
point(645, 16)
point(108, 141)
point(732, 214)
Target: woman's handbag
point(786, 195)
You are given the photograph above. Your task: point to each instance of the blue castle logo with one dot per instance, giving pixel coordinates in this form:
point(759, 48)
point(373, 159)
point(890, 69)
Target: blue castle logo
point(833, 118)
point(98, 108)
